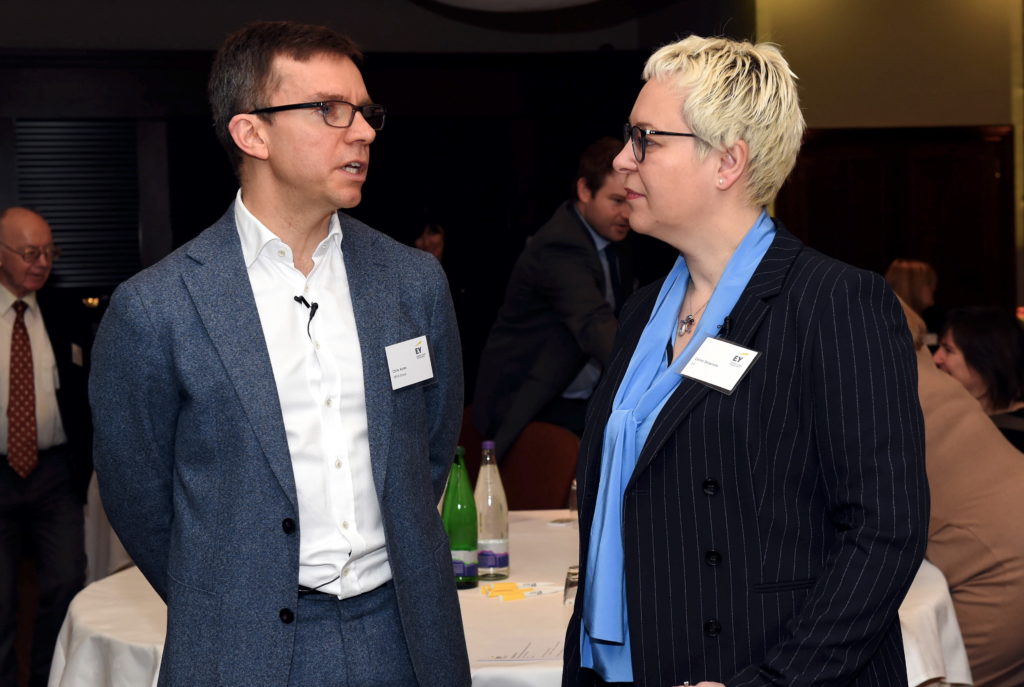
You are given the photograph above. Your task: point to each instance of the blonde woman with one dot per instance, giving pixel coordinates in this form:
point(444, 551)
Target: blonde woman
point(753, 504)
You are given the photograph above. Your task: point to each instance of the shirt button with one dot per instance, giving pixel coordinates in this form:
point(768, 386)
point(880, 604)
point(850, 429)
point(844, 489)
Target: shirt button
point(337, 463)
point(710, 487)
point(344, 573)
point(280, 253)
point(712, 557)
point(318, 345)
point(712, 628)
point(327, 403)
point(305, 289)
point(344, 524)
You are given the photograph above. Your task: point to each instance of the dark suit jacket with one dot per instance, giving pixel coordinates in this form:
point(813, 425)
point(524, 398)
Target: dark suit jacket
point(68, 325)
point(771, 535)
point(195, 472)
point(553, 320)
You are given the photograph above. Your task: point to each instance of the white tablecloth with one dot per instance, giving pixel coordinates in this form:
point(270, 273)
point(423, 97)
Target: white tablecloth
point(103, 551)
point(931, 636)
point(113, 634)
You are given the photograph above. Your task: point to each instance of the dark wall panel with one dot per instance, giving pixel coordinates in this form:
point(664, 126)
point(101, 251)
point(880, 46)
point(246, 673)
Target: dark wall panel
point(943, 195)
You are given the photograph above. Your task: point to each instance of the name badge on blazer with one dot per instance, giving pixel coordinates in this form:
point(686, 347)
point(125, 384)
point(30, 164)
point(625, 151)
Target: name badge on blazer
point(720, 364)
point(409, 362)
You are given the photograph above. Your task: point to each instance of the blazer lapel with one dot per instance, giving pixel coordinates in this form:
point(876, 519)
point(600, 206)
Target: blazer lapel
point(219, 286)
point(373, 289)
point(743, 322)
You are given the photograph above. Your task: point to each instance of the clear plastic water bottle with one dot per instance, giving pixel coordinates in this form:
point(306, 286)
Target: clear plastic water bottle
point(492, 518)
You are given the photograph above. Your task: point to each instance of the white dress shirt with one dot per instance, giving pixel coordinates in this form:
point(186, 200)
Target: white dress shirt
point(319, 378)
point(49, 430)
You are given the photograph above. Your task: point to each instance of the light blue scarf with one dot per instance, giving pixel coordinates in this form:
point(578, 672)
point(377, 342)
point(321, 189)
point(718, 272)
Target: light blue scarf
point(647, 385)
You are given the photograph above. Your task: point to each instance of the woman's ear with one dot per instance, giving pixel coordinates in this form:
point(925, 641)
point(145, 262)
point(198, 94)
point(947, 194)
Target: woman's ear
point(732, 162)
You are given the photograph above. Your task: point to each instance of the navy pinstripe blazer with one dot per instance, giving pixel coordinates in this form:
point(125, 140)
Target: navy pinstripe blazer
point(771, 535)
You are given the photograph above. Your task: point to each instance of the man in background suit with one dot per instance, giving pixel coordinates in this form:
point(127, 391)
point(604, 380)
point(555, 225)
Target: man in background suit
point(44, 439)
point(554, 332)
point(265, 456)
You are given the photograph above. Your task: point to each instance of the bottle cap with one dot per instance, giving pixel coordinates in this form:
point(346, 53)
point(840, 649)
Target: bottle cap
point(487, 445)
point(460, 451)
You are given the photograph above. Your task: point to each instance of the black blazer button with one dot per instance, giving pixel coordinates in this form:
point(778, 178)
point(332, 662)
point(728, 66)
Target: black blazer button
point(712, 557)
point(286, 616)
point(712, 628)
point(710, 487)
point(288, 525)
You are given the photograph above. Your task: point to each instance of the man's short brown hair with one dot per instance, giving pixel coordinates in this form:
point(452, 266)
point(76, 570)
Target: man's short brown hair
point(242, 74)
point(596, 162)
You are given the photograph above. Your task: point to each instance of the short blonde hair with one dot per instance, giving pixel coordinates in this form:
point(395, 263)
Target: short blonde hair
point(737, 91)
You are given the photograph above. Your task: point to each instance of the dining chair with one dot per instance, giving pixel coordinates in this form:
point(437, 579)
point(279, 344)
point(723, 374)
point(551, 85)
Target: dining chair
point(538, 470)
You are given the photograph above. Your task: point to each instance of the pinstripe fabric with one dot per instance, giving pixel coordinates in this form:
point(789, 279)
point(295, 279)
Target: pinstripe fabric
point(771, 535)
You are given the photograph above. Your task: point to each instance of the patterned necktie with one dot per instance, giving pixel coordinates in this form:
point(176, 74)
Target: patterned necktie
point(22, 451)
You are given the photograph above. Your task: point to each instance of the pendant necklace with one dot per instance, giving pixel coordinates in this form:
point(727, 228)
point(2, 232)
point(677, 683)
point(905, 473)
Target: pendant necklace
point(686, 323)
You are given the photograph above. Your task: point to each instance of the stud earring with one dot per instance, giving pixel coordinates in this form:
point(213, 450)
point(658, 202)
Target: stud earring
point(720, 181)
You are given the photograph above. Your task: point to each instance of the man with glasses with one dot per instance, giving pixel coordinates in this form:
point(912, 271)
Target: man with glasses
point(44, 439)
point(281, 398)
point(554, 331)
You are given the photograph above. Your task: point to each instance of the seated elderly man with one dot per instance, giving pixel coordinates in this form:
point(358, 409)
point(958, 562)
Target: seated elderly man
point(976, 478)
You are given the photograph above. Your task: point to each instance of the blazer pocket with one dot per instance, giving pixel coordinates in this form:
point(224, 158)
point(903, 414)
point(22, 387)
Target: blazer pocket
point(784, 585)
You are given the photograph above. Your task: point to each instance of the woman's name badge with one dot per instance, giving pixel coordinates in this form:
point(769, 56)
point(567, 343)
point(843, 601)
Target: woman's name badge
point(720, 364)
point(409, 362)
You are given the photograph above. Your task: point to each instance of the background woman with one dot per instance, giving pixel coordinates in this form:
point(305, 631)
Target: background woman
point(757, 528)
point(974, 535)
point(983, 349)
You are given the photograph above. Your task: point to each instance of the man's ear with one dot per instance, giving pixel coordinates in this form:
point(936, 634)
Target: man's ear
point(583, 193)
point(732, 162)
point(247, 131)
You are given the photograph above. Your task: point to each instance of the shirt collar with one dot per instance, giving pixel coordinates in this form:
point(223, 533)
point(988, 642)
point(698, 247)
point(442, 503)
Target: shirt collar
point(7, 299)
point(599, 240)
point(255, 236)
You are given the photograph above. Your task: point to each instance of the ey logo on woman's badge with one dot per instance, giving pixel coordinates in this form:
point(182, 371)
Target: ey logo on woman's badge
point(720, 364)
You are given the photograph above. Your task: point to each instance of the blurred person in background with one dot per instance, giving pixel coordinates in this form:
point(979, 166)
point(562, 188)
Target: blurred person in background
point(915, 282)
point(982, 347)
point(553, 334)
point(45, 436)
point(976, 480)
point(752, 497)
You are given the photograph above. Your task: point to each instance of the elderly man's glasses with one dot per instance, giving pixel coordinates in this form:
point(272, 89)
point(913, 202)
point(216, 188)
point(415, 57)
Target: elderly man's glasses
point(336, 113)
point(638, 137)
point(33, 253)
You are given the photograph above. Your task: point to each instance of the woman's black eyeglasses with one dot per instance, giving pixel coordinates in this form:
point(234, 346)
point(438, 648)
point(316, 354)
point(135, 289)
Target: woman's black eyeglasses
point(638, 137)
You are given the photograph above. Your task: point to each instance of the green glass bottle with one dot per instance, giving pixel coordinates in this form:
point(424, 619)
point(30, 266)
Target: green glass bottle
point(459, 516)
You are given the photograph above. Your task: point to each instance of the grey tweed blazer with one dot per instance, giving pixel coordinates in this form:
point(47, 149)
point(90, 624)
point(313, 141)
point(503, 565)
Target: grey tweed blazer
point(771, 535)
point(194, 467)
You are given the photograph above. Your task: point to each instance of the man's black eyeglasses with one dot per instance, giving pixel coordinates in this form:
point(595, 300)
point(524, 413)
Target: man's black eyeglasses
point(336, 113)
point(638, 137)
